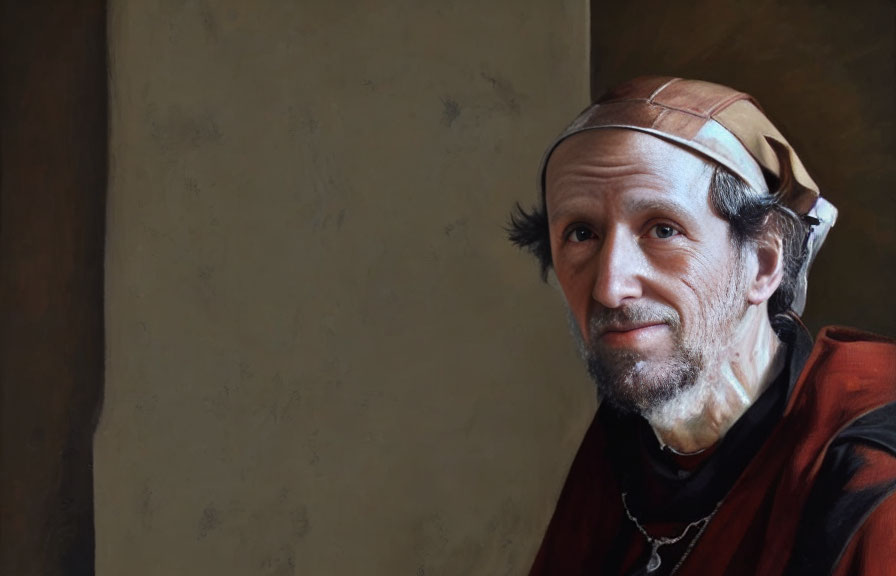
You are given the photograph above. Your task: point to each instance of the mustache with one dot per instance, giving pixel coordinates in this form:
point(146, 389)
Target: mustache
point(605, 319)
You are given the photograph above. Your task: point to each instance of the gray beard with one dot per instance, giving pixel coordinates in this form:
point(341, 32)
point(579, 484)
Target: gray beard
point(625, 379)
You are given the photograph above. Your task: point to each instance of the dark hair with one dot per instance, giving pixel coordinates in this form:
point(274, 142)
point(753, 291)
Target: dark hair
point(749, 216)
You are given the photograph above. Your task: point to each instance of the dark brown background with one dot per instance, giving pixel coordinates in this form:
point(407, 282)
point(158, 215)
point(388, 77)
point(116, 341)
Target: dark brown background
point(822, 70)
point(53, 171)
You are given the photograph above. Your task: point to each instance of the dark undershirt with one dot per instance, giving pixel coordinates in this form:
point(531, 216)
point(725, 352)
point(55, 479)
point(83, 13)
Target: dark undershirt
point(667, 491)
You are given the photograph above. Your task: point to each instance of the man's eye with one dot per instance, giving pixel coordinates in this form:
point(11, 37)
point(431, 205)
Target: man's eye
point(663, 231)
point(580, 234)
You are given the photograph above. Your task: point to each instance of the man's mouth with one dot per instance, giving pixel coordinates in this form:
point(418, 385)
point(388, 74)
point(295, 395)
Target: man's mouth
point(628, 334)
point(623, 328)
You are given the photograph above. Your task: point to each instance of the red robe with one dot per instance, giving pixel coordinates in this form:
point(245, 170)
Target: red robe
point(764, 524)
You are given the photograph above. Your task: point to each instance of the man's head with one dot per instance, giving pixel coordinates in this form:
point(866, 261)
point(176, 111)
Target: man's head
point(658, 222)
point(654, 282)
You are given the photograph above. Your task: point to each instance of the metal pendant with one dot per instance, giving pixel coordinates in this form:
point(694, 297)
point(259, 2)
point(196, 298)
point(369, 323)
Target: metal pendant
point(655, 560)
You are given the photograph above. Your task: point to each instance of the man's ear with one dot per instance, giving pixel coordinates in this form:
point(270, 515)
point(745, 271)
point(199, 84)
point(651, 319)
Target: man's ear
point(768, 253)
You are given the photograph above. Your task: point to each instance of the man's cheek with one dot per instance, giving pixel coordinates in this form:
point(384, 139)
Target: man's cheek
point(576, 292)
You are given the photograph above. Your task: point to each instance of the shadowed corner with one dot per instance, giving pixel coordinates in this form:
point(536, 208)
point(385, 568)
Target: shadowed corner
point(52, 229)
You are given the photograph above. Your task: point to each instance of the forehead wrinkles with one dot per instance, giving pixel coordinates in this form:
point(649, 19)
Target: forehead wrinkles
point(577, 175)
point(623, 159)
point(577, 164)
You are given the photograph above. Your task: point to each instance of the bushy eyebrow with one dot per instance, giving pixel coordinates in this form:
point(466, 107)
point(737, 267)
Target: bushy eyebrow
point(675, 210)
point(641, 205)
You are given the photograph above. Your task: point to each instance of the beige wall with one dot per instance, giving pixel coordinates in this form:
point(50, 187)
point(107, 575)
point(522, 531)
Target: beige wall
point(322, 355)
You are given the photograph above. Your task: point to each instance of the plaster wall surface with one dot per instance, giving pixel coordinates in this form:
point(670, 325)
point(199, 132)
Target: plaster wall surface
point(323, 357)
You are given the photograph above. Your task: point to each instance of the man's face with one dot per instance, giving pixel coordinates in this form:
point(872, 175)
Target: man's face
point(652, 280)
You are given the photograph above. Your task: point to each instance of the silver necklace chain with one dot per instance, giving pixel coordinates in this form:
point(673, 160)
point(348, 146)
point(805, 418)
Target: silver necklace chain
point(654, 562)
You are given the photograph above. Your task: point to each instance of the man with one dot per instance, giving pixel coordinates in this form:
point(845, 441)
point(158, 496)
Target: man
point(680, 225)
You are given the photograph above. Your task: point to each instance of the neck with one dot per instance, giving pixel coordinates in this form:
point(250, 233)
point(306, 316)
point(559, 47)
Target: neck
point(730, 383)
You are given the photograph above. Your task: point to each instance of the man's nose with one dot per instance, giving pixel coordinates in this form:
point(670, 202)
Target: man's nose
point(619, 271)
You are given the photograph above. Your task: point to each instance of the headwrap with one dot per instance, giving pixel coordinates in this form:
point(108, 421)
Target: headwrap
point(722, 124)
